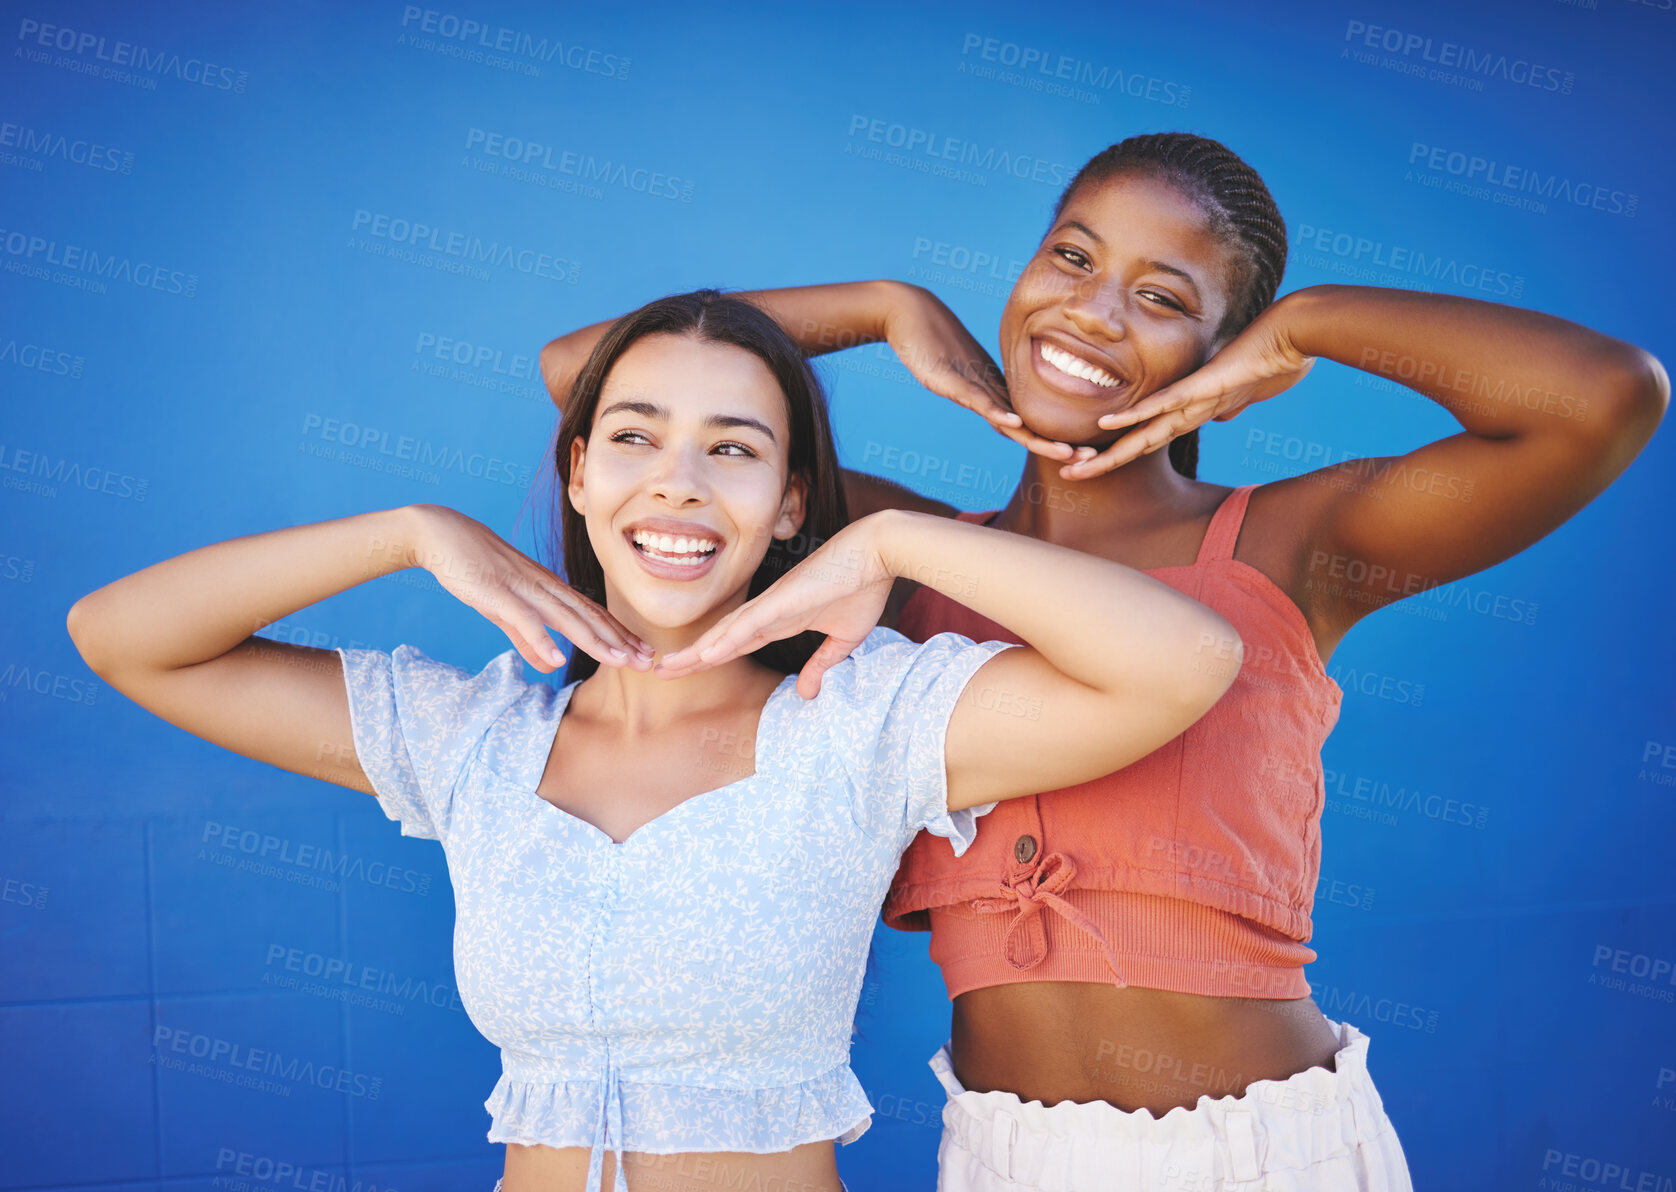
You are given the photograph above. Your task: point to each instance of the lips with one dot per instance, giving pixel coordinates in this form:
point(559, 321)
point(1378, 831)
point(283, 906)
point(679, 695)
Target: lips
point(674, 550)
point(1072, 372)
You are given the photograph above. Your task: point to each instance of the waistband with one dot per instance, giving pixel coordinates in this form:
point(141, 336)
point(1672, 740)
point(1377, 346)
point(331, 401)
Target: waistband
point(1115, 937)
point(1276, 1125)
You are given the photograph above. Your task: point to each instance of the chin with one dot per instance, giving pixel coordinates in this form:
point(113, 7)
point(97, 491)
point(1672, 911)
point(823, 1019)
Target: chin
point(1064, 423)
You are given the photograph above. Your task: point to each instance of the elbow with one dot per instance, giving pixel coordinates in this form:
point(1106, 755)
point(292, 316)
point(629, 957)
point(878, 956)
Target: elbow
point(555, 373)
point(81, 636)
point(1649, 390)
point(1634, 400)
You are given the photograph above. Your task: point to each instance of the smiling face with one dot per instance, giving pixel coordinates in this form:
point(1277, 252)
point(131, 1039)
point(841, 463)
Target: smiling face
point(1124, 295)
point(683, 480)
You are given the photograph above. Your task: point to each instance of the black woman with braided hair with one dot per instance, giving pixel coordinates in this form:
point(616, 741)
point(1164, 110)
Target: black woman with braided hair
point(1125, 957)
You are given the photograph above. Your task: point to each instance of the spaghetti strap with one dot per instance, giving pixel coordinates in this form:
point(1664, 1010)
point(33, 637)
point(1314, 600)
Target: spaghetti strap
point(1225, 526)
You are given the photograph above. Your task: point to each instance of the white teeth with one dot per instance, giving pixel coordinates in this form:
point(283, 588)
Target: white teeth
point(682, 551)
point(1076, 367)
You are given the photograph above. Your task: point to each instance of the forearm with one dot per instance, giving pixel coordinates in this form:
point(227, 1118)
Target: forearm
point(197, 606)
point(1502, 371)
point(827, 318)
point(1107, 626)
point(819, 319)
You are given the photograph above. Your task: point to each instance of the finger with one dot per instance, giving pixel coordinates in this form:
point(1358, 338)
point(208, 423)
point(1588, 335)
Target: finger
point(1131, 446)
point(827, 655)
point(1155, 436)
point(734, 644)
point(572, 614)
point(529, 637)
point(994, 382)
point(1171, 397)
point(1210, 382)
point(583, 636)
point(606, 627)
point(973, 395)
point(712, 646)
point(1006, 421)
point(1034, 443)
point(677, 662)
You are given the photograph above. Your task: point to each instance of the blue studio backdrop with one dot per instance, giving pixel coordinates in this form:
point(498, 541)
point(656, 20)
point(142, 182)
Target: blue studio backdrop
point(264, 265)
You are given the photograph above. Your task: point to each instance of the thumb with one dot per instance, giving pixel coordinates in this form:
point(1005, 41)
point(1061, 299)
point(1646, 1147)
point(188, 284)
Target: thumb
point(827, 655)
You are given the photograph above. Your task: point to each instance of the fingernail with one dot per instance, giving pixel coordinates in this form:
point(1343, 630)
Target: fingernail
point(619, 655)
point(556, 656)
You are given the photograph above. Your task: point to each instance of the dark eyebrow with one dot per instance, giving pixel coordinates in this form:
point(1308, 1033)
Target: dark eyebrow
point(1160, 267)
point(1083, 228)
point(650, 409)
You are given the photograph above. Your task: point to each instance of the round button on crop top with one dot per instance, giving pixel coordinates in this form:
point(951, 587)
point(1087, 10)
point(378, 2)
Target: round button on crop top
point(1193, 869)
point(692, 988)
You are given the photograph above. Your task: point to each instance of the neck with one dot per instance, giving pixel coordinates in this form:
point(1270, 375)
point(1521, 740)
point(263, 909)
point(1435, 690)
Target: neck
point(643, 703)
point(1067, 512)
point(646, 705)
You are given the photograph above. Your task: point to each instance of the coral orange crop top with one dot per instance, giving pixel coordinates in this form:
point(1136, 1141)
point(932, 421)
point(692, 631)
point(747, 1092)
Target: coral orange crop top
point(1193, 869)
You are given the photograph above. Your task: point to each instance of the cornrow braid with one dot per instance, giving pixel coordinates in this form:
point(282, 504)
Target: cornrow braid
point(1241, 212)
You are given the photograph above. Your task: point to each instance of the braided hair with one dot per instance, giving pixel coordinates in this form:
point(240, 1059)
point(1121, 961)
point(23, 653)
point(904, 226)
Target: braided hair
point(1240, 212)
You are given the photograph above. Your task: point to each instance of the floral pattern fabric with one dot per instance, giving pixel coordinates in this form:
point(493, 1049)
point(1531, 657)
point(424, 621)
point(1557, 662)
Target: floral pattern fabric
point(692, 988)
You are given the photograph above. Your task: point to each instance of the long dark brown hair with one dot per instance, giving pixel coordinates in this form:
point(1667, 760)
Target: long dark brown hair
point(712, 317)
point(1241, 211)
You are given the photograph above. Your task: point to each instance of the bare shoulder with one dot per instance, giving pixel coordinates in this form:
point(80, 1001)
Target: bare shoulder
point(867, 494)
point(1280, 537)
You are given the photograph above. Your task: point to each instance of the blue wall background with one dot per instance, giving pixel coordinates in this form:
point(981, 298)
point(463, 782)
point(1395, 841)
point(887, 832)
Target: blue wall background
point(257, 333)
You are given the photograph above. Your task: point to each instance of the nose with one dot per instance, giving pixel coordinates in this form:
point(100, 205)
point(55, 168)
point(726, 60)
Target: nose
point(679, 478)
point(1096, 307)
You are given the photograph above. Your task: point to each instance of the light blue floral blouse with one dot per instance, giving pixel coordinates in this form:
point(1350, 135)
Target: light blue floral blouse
point(694, 987)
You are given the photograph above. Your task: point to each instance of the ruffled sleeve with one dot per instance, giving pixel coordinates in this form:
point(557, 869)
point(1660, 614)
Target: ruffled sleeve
point(887, 723)
point(416, 722)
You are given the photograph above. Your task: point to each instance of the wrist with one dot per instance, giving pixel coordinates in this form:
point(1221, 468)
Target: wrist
point(889, 532)
point(409, 529)
point(1300, 316)
point(888, 297)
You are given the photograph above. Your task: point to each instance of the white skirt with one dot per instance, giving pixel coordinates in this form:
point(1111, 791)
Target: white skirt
point(841, 1184)
point(1318, 1131)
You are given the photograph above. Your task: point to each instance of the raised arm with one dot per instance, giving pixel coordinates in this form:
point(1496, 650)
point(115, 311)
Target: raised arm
point(819, 319)
point(1116, 663)
point(925, 334)
point(177, 637)
point(1551, 413)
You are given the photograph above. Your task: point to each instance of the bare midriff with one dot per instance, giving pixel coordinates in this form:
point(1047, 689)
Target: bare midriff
point(811, 1167)
point(1053, 1041)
